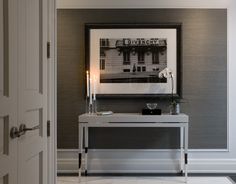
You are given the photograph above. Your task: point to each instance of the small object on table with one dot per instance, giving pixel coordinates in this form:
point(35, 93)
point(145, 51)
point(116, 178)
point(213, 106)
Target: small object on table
point(146, 111)
point(151, 106)
point(151, 109)
point(102, 113)
point(174, 108)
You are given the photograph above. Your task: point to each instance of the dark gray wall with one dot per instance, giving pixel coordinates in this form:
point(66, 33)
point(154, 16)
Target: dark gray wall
point(204, 80)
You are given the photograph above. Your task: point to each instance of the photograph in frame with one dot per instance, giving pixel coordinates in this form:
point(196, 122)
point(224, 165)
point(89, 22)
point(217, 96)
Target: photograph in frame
point(128, 59)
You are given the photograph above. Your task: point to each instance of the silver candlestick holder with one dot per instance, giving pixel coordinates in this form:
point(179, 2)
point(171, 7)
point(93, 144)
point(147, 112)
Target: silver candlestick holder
point(89, 106)
point(94, 106)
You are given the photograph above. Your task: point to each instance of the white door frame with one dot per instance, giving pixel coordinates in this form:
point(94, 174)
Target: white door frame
point(52, 92)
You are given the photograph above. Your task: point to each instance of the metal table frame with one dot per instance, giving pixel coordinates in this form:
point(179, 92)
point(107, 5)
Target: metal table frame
point(138, 120)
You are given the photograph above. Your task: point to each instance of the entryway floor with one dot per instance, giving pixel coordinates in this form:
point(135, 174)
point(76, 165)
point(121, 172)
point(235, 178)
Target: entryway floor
point(144, 180)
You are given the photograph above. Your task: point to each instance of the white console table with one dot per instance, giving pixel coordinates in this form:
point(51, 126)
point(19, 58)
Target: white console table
point(134, 120)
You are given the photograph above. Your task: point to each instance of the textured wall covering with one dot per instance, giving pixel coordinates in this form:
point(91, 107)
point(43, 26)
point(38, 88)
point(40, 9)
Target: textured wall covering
point(204, 83)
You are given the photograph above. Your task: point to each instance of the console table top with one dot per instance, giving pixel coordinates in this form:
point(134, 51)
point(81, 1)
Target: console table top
point(133, 117)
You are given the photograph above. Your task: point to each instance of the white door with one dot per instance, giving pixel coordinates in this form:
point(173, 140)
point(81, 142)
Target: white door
point(8, 92)
point(32, 94)
point(23, 91)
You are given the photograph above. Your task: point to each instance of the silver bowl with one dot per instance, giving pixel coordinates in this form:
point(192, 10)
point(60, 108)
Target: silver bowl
point(151, 106)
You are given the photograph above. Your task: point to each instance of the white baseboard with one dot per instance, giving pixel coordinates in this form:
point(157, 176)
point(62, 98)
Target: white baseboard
point(140, 161)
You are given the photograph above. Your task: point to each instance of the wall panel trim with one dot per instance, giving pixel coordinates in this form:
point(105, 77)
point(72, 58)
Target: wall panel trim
point(67, 163)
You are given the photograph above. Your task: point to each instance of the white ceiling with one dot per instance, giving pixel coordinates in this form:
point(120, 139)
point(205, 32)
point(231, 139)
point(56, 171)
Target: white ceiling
point(73, 4)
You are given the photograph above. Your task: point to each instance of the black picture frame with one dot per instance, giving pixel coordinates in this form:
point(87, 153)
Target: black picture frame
point(177, 27)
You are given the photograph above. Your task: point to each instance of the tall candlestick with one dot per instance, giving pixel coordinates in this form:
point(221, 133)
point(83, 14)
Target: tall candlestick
point(94, 87)
point(90, 91)
point(87, 79)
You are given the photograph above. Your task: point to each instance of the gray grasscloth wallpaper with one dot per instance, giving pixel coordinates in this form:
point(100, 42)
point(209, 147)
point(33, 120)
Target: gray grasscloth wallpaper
point(204, 82)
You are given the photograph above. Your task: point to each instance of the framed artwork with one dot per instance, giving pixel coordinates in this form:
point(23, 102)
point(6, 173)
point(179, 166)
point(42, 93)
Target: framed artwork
point(127, 59)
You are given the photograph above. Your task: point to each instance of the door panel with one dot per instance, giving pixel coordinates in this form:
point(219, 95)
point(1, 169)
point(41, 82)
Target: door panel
point(2, 140)
point(4, 179)
point(4, 45)
point(33, 167)
point(33, 44)
point(1, 48)
point(4, 137)
point(8, 91)
point(32, 77)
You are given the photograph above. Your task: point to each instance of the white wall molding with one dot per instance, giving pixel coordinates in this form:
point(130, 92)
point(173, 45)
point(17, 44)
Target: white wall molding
point(73, 4)
point(141, 161)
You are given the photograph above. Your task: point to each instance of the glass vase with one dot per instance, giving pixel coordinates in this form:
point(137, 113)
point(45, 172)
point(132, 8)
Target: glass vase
point(174, 109)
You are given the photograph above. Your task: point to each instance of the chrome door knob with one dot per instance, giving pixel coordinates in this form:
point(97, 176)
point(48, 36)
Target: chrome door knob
point(23, 129)
point(14, 132)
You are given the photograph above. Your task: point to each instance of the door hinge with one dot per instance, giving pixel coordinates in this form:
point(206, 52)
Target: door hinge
point(48, 50)
point(48, 128)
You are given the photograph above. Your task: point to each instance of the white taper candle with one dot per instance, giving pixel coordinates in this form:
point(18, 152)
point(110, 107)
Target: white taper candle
point(90, 91)
point(87, 80)
point(94, 87)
